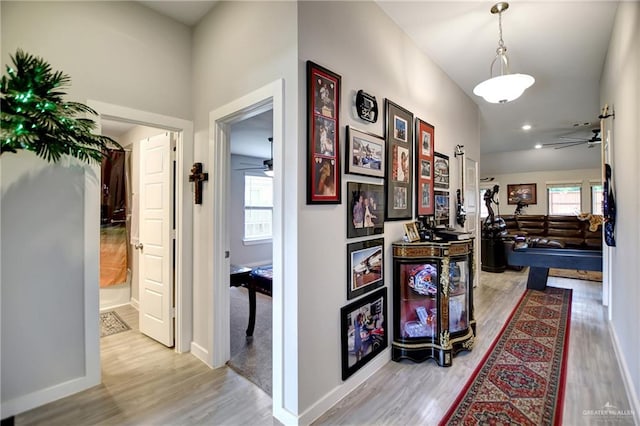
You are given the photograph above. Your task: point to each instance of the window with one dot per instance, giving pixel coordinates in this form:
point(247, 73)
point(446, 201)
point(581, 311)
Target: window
point(564, 199)
point(258, 207)
point(596, 198)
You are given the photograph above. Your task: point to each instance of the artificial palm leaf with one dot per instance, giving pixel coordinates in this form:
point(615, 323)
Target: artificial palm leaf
point(35, 117)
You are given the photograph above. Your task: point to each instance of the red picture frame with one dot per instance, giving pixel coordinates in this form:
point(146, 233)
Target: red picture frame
point(424, 146)
point(323, 141)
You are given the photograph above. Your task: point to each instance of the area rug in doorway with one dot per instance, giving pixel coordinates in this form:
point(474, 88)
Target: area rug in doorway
point(111, 323)
point(576, 274)
point(521, 379)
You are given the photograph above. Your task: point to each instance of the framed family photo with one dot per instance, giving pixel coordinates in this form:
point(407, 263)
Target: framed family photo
point(365, 153)
point(411, 231)
point(365, 267)
point(425, 140)
point(399, 172)
point(441, 171)
point(363, 331)
point(323, 108)
point(365, 211)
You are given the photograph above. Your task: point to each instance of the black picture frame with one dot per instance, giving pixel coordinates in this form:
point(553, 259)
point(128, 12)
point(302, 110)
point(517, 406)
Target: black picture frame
point(365, 267)
point(371, 311)
point(365, 216)
point(365, 153)
point(443, 208)
point(323, 140)
point(440, 171)
point(399, 171)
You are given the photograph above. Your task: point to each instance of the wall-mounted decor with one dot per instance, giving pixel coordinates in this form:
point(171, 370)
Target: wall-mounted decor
point(441, 171)
point(363, 331)
point(425, 140)
point(441, 199)
point(399, 174)
point(323, 97)
point(365, 209)
point(525, 193)
point(365, 267)
point(365, 153)
point(366, 106)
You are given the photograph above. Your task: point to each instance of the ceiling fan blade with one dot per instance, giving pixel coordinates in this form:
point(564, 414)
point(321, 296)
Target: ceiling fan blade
point(569, 139)
point(562, 143)
point(252, 168)
point(570, 145)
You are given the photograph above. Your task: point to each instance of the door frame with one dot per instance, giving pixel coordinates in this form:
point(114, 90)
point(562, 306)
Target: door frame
point(183, 203)
point(268, 97)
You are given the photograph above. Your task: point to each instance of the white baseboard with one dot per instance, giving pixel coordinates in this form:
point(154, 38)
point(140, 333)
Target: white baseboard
point(632, 393)
point(339, 392)
point(35, 399)
point(135, 303)
point(201, 353)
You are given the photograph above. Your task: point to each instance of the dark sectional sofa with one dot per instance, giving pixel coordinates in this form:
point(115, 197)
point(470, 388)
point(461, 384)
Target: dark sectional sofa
point(555, 231)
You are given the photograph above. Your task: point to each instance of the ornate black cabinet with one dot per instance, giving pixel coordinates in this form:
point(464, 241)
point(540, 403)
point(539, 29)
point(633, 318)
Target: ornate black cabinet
point(432, 300)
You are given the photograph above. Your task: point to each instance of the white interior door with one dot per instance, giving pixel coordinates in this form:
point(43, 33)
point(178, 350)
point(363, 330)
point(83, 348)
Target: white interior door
point(156, 264)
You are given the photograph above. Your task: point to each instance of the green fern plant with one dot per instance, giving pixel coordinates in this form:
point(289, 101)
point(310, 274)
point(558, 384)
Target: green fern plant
point(35, 117)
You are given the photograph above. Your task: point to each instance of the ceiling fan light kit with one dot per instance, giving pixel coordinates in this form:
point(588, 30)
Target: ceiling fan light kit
point(505, 87)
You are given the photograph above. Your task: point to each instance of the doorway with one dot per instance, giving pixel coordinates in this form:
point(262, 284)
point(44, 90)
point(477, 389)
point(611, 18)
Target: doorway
point(137, 228)
point(250, 204)
point(217, 352)
point(182, 212)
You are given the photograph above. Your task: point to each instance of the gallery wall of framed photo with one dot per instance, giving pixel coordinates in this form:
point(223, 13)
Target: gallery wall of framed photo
point(396, 175)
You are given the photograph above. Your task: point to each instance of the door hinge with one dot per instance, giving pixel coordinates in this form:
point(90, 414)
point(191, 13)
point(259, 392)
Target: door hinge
point(173, 312)
point(173, 234)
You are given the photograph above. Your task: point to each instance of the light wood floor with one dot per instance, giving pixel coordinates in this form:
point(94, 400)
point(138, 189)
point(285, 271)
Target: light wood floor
point(145, 383)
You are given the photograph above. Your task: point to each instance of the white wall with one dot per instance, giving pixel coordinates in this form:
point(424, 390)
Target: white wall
point(250, 254)
point(43, 277)
point(585, 177)
point(359, 42)
point(238, 48)
point(116, 52)
point(620, 88)
point(537, 160)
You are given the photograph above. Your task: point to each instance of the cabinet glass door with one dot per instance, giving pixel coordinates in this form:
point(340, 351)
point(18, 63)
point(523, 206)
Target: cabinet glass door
point(458, 303)
point(418, 299)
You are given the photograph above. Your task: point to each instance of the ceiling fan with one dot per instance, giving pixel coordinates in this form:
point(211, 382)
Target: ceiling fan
point(267, 165)
point(593, 141)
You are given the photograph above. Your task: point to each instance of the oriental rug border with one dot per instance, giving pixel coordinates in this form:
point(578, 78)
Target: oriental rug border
point(521, 379)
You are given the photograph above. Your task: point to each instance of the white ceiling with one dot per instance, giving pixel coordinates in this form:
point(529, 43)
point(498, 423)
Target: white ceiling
point(187, 12)
point(562, 44)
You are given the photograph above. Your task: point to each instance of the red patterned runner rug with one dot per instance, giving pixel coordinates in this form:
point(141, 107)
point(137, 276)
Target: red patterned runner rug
point(521, 379)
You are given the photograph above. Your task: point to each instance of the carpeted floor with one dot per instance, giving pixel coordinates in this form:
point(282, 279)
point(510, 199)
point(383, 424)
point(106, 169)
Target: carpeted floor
point(521, 379)
point(111, 323)
point(251, 356)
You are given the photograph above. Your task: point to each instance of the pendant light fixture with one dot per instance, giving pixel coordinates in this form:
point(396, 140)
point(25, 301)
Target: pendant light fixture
point(505, 87)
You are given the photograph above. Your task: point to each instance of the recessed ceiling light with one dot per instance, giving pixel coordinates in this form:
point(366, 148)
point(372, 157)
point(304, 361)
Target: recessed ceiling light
point(526, 127)
point(538, 146)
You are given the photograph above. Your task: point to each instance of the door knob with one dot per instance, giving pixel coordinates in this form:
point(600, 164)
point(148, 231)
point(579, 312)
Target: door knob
point(139, 246)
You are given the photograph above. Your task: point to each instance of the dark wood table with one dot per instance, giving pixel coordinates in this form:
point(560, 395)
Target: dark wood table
point(240, 275)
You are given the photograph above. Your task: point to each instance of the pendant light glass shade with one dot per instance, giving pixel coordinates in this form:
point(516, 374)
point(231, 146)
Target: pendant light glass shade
point(506, 87)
